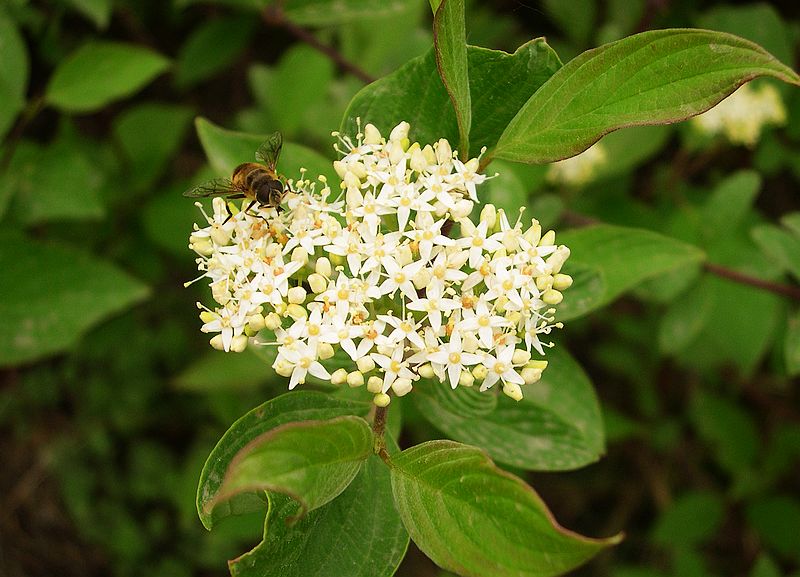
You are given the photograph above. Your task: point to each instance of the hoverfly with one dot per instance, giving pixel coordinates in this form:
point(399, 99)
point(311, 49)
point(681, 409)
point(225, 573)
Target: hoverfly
point(256, 181)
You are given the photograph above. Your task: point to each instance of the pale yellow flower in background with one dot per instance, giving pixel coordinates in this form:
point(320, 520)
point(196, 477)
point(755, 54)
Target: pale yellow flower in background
point(580, 169)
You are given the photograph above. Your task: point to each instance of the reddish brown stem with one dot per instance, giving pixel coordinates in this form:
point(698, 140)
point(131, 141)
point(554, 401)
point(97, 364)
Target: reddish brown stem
point(736, 276)
point(274, 16)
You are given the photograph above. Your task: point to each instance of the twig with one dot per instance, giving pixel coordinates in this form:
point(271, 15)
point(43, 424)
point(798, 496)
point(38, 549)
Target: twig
point(379, 428)
point(274, 16)
point(29, 113)
point(736, 276)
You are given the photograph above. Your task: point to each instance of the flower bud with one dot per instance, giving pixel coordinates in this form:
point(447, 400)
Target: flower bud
point(272, 250)
point(355, 379)
point(458, 259)
point(325, 351)
point(544, 282)
point(562, 281)
point(201, 245)
point(340, 168)
point(466, 379)
point(402, 386)
point(396, 151)
point(468, 228)
point(489, 215)
point(239, 343)
point(426, 371)
point(283, 368)
point(444, 154)
point(272, 321)
point(513, 390)
point(520, 357)
point(339, 377)
point(439, 209)
point(429, 154)
point(400, 131)
point(534, 234)
point(548, 239)
point(537, 364)
point(552, 297)
point(323, 267)
point(297, 295)
point(297, 312)
point(359, 170)
point(280, 308)
point(219, 235)
point(463, 208)
point(300, 255)
point(317, 283)
point(470, 343)
point(256, 322)
point(372, 135)
point(375, 384)
point(382, 400)
point(511, 240)
point(480, 371)
point(422, 278)
point(351, 181)
point(418, 161)
point(365, 364)
point(216, 342)
point(208, 316)
point(530, 376)
point(404, 255)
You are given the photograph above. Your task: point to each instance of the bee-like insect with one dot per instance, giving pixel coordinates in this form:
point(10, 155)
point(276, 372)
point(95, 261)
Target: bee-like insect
point(256, 181)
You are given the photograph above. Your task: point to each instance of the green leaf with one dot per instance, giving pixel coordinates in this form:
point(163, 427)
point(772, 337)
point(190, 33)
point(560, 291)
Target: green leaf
point(52, 295)
point(212, 47)
point(310, 461)
point(777, 520)
point(226, 149)
point(220, 371)
point(728, 429)
point(149, 135)
point(685, 318)
point(450, 46)
point(295, 87)
point(68, 190)
point(690, 520)
point(101, 72)
point(14, 71)
point(781, 247)
point(791, 345)
point(655, 77)
point(98, 11)
point(557, 426)
point(729, 203)
point(765, 567)
point(607, 260)
point(359, 534)
point(476, 520)
point(499, 84)
point(282, 410)
point(792, 222)
point(576, 18)
point(324, 13)
point(758, 22)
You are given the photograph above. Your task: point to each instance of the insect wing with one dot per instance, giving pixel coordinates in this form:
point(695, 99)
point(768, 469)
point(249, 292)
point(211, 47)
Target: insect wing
point(270, 150)
point(216, 187)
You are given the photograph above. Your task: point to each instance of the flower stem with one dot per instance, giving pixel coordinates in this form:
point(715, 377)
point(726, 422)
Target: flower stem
point(741, 278)
point(379, 429)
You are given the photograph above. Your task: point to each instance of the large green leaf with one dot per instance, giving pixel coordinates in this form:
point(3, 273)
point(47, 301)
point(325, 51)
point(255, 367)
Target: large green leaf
point(68, 190)
point(311, 461)
point(479, 521)
point(655, 77)
point(691, 519)
point(52, 295)
point(359, 534)
point(326, 13)
point(288, 408)
point(499, 85)
point(14, 70)
point(557, 426)
point(780, 247)
point(212, 47)
point(608, 260)
point(149, 135)
point(98, 11)
point(226, 149)
point(101, 72)
point(450, 46)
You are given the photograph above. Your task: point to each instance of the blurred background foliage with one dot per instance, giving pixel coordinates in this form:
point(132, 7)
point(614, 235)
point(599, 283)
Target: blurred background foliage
point(110, 398)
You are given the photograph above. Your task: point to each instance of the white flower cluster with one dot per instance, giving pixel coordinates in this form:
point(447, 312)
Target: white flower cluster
point(579, 169)
point(390, 271)
point(742, 116)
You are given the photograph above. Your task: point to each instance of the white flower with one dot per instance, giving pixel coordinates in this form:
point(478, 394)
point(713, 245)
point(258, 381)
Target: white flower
point(500, 367)
point(453, 356)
